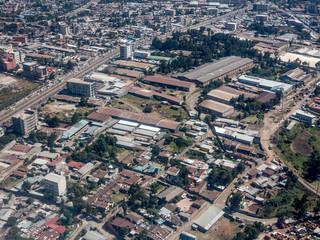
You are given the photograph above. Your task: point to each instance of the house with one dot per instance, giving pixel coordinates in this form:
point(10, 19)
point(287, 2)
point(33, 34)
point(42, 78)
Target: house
point(134, 218)
point(173, 174)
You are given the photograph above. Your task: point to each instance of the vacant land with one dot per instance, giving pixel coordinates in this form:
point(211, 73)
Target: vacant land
point(137, 104)
point(64, 110)
point(221, 230)
point(14, 89)
point(301, 145)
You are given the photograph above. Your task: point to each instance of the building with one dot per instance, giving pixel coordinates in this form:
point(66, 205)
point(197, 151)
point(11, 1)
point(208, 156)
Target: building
point(269, 85)
point(82, 88)
point(8, 62)
point(221, 96)
point(22, 39)
point(260, 7)
point(94, 235)
point(34, 70)
point(141, 54)
point(208, 218)
point(231, 26)
point(25, 122)
point(296, 75)
point(125, 51)
point(262, 17)
point(216, 108)
point(164, 81)
point(206, 73)
point(55, 183)
point(170, 12)
point(212, 11)
point(304, 116)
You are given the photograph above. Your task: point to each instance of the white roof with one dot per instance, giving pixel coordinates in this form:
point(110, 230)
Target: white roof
point(128, 123)
point(40, 161)
point(152, 129)
point(220, 130)
point(52, 177)
point(209, 217)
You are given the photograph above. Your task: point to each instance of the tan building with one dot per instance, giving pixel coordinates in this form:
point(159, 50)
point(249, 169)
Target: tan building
point(25, 122)
point(55, 183)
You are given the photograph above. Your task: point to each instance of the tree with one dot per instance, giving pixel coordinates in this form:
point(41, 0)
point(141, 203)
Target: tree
point(75, 117)
point(52, 122)
point(13, 234)
point(156, 150)
point(69, 65)
point(147, 109)
point(83, 101)
point(26, 186)
point(125, 208)
point(51, 140)
point(235, 201)
point(12, 221)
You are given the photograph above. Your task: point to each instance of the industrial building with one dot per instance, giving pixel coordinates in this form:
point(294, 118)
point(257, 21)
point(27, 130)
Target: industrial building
point(73, 130)
point(55, 183)
point(25, 122)
point(208, 218)
point(271, 86)
point(135, 65)
point(164, 81)
point(141, 54)
point(206, 73)
point(221, 96)
point(216, 108)
point(82, 88)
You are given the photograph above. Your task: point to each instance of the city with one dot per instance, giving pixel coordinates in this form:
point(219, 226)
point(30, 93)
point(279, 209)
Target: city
point(153, 120)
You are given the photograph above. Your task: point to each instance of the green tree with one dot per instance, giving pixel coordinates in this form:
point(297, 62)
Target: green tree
point(51, 140)
point(83, 101)
point(12, 221)
point(52, 122)
point(156, 150)
point(75, 118)
point(14, 234)
point(26, 186)
point(235, 201)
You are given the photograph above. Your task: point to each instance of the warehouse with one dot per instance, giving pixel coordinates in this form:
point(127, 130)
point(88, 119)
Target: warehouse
point(221, 96)
point(164, 81)
point(208, 218)
point(268, 85)
point(216, 108)
point(206, 73)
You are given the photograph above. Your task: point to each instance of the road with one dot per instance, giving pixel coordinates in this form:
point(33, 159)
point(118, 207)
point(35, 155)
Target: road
point(76, 11)
point(55, 88)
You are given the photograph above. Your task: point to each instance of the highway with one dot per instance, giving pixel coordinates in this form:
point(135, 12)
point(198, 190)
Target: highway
point(55, 88)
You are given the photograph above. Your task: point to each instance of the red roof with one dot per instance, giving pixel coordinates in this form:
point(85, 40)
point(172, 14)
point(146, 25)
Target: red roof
point(74, 164)
point(51, 224)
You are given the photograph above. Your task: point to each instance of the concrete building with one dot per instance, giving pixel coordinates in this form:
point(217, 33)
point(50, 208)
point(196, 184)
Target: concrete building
point(34, 70)
point(213, 11)
point(141, 54)
point(216, 108)
point(231, 26)
point(304, 116)
point(8, 62)
point(82, 88)
point(125, 51)
point(221, 96)
point(170, 12)
point(206, 73)
point(268, 85)
point(25, 122)
point(55, 183)
point(260, 7)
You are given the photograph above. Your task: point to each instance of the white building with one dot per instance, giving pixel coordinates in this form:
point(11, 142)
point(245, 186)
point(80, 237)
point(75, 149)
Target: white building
point(55, 183)
point(125, 51)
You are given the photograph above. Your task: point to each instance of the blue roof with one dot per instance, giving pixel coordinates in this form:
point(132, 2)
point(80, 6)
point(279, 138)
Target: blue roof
point(91, 130)
point(76, 128)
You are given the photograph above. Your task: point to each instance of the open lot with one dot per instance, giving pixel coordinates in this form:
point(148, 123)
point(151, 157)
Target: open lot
point(300, 144)
point(63, 110)
point(136, 104)
point(13, 89)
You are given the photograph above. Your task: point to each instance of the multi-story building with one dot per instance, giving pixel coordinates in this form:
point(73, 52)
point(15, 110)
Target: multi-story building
point(34, 70)
point(8, 62)
point(25, 122)
point(125, 51)
point(22, 39)
point(82, 88)
point(55, 183)
point(261, 7)
point(231, 26)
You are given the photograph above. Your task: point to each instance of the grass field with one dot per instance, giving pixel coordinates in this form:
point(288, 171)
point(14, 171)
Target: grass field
point(118, 197)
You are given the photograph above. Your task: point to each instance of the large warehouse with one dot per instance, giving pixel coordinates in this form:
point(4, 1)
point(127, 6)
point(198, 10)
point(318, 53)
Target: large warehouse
point(206, 73)
point(208, 218)
point(216, 108)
